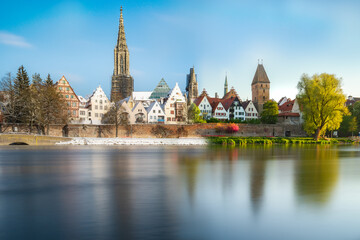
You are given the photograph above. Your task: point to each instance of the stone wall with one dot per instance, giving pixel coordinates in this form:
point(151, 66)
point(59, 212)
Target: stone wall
point(156, 130)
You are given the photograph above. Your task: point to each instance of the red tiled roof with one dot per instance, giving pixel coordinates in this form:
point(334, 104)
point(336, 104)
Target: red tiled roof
point(198, 100)
point(227, 103)
point(287, 106)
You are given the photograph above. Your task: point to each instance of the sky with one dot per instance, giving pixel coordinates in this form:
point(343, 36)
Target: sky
point(166, 38)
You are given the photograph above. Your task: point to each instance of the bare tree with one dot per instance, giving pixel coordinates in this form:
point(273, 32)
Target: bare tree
point(116, 115)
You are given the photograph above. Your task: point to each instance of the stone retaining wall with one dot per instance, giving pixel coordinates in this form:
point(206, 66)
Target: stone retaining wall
point(156, 130)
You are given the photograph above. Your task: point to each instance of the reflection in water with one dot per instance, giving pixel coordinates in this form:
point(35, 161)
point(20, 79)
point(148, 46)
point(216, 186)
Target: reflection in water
point(257, 176)
point(317, 174)
point(179, 193)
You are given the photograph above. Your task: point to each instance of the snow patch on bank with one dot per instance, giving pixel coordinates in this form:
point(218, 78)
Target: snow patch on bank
point(135, 141)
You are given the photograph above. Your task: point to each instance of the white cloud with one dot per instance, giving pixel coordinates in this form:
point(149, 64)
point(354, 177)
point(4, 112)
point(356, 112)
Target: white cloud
point(13, 40)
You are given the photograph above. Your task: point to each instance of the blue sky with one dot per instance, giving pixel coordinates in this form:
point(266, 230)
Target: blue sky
point(166, 38)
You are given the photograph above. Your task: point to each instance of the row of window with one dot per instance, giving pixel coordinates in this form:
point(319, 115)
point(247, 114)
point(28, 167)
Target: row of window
point(101, 101)
point(67, 88)
point(101, 107)
point(251, 114)
point(220, 114)
point(74, 104)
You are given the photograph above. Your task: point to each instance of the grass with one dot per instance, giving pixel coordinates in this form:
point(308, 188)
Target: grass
point(233, 141)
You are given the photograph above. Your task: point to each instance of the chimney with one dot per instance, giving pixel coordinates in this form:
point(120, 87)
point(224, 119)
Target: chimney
point(216, 95)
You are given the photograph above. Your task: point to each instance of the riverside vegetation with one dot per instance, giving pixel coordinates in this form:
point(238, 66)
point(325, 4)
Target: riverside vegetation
point(233, 141)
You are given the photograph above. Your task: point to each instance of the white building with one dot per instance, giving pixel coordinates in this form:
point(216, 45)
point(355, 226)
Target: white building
point(139, 113)
point(98, 105)
point(204, 105)
point(83, 110)
point(250, 110)
point(155, 113)
point(219, 111)
point(175, 106)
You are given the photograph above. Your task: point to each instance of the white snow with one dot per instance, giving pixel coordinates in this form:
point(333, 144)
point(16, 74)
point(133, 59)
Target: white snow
point(135, 141)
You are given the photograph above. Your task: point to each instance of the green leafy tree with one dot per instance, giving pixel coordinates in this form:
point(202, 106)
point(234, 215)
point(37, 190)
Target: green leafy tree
point(356, 112)
point(353, 125)
point(323, 103)
point(270, 112)
point(194, 114)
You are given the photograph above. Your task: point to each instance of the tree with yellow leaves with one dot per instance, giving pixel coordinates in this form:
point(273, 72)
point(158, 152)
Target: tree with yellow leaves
point(322, 102)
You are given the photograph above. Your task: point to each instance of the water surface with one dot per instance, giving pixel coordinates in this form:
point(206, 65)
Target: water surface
point(254, 192)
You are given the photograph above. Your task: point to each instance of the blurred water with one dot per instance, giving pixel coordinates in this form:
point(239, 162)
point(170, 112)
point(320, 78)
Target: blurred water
point(254, 192)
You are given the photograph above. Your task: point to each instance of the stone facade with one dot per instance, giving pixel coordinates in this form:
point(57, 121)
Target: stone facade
point(191, 86)
point(122, 84)
point(260, 88)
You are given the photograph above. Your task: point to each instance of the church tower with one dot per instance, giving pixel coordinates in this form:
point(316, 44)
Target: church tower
point(191, 86)
point(122, 84)
point(260, 88)
point(226, 89)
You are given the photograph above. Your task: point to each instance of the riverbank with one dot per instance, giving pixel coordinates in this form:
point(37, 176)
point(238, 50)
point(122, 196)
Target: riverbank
point(277, 140)
point(136, 141)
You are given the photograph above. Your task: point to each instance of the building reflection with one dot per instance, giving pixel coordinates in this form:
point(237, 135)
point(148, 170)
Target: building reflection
point(316, 174)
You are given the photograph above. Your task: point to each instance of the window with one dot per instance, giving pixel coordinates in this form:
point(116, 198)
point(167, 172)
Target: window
point(96, 115)
point(96, 106)
point(96, 101)
point(68, 103)
point(105, 108)
point(171, 112)
point(74, 104)
point(150, 117)
point(82, 113)
point(154, 111)
point(60, 88)
point(173, 119)
point(101, 107)
point(74, 112)
point(71, 96)
point(67, 96)
point(101, 115)
point(67, 89)
point(89, 114)
point(159, 111)
point(105, 101)
point(169, 119)
point(64, 82)
point(100, 101)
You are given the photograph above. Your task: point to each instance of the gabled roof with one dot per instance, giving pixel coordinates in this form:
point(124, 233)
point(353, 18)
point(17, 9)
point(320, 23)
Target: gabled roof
point(260, 75)
point(231, 93)
point(287, 106)
point(227, 103)
point(198, 100)
point(161, 90)
point(245, 104)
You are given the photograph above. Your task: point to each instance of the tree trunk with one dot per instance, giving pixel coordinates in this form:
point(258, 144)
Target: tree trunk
point(47, 129)
point(116, 130)
point(317, 134)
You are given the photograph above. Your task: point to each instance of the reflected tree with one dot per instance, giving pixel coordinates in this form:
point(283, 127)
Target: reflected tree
point(317, 174)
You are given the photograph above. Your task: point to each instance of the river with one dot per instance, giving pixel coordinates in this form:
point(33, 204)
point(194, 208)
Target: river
point(252, 192)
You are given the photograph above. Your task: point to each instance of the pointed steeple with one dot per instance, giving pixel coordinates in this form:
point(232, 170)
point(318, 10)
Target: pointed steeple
point(121, 42)
point(226, 85)
point(260, 75)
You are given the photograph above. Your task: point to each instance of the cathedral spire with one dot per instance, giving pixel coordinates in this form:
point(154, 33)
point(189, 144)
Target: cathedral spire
point(121, 42)
point(122, 84)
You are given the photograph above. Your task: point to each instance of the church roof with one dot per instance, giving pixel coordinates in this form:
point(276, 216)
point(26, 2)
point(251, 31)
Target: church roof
point(231, 94)
point(260, 75)
point(161, 90)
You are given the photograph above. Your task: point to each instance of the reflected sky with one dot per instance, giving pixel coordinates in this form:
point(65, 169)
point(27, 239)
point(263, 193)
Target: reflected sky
point(252, 192)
